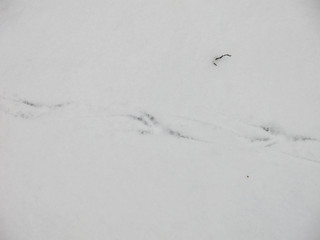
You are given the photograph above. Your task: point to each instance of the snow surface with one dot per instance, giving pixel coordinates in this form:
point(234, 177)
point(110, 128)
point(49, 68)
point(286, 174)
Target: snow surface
point(116, 124)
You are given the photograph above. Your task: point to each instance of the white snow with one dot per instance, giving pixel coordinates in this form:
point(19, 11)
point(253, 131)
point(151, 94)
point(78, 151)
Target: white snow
point(116, 124)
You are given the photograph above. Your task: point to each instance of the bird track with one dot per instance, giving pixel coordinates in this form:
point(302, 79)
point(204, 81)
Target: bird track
point(148, 124)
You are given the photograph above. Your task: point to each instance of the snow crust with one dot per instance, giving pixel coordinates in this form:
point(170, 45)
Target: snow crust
point(116, 124)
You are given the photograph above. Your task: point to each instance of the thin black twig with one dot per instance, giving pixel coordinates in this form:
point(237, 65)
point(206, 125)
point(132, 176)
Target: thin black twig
point(218, 58)
point(224, 55)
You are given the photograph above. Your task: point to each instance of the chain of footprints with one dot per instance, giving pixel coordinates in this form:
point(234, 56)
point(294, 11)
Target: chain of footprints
point(177, 127)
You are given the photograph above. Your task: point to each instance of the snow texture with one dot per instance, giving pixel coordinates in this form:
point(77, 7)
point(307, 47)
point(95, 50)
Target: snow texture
point(182, 120)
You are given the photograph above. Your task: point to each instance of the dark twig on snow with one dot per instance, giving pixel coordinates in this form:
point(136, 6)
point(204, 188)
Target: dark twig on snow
point(224, 55)
point(218, 58)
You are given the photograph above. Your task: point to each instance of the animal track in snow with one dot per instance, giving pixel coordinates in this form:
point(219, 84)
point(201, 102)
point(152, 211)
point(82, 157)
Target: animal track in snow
point(25, 109)
point(276, 131)
point(150, 125)
point(220, 130)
